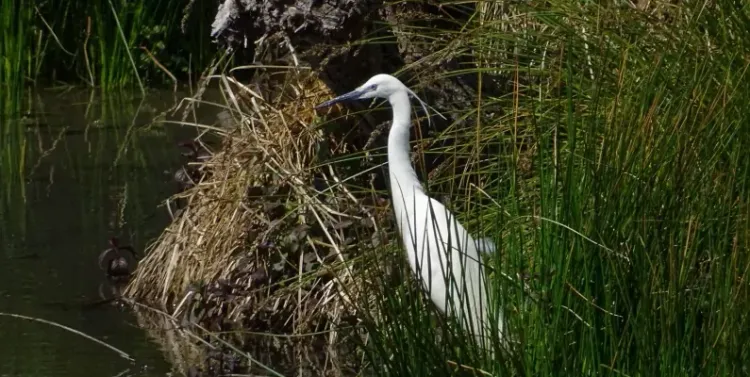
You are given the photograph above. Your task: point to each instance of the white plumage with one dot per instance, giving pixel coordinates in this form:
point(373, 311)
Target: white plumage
point(441, 253)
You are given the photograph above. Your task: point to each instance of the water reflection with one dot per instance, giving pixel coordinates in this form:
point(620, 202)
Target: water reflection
point(91, 169)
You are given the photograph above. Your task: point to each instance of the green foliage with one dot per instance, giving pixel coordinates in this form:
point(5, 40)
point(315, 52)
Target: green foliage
point(618, 174)
point(15, 17)
point(110, 43)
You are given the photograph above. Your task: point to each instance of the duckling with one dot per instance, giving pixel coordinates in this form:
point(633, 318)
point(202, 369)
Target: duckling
point(117, 264)
point(197, 151)
point(186, 176)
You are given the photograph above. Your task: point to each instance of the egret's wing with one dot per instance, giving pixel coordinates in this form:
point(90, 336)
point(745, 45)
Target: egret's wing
point(485, 245)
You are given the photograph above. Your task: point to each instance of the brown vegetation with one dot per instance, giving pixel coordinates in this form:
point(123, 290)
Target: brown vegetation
point(268, 238)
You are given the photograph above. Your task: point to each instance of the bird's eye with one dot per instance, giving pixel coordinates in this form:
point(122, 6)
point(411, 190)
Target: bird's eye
point(374, 87)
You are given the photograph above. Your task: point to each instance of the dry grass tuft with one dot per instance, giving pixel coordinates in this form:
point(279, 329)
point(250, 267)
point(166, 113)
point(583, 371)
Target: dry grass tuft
point(268, 238)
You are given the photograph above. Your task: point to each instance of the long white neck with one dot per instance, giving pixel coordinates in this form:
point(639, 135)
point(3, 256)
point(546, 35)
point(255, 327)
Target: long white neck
point(404, 181)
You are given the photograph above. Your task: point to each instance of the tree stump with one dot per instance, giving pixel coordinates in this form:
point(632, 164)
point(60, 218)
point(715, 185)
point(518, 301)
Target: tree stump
point(322, 35)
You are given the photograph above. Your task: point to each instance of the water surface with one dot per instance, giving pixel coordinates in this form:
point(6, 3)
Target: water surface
point(91, 168)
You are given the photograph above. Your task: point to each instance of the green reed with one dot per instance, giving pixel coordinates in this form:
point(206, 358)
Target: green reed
point(112, 43)
point(615, 180)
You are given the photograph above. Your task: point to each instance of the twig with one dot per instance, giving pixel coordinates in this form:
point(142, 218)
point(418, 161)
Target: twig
point(163, 68)
point(127, 49)
point(86, 51)
point(52, 32)
point(122, 354)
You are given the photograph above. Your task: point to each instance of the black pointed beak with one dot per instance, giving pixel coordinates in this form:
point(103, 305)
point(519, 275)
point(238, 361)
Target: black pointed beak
point(353, 95)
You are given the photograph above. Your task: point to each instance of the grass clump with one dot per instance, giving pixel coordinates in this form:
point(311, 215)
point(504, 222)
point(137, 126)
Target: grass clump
point(614, 174)
point(14, 17)
point(266, 239)
point(106, 43)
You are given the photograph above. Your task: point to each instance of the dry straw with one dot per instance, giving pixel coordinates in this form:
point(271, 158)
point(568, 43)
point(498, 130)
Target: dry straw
point(269, 238)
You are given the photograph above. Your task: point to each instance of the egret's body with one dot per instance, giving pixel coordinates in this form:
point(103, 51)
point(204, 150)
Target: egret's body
point(441, 253)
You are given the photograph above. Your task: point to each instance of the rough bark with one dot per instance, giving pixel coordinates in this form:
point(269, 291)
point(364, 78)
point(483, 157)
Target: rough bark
point(320, 32)
point(313, 27)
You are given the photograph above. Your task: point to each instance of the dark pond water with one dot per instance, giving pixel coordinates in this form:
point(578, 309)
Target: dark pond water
point(91, 168)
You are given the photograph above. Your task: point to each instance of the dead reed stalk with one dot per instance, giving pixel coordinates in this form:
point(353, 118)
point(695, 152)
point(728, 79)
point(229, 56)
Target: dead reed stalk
point(268, 238)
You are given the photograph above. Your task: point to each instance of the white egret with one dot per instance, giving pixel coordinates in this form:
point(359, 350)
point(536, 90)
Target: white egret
point(440, 251)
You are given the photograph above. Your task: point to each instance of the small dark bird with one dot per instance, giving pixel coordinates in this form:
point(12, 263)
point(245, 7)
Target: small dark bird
point(197, 152)
point(186, 178)
point(118, 262)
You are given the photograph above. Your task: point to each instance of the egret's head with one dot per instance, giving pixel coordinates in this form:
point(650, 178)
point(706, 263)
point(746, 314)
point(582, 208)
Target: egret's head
point(379, 86)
